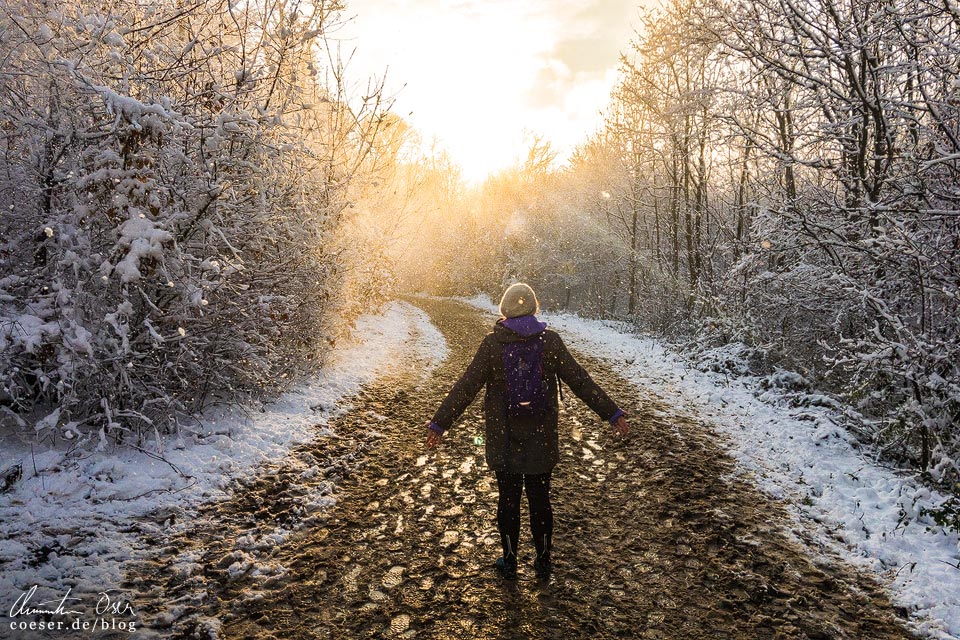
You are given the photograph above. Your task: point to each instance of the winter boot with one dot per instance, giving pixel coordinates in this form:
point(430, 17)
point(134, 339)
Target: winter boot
point(507, 567)
point(543, 566)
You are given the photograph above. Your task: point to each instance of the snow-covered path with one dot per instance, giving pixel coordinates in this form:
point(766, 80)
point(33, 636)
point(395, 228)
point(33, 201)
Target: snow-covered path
point(656, 536)
point(790, 442)
point(788, 439)
point(323, 516)
point(77, 518)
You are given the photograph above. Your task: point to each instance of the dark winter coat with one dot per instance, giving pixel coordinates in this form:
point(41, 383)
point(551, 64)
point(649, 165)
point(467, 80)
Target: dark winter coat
point(520, 445)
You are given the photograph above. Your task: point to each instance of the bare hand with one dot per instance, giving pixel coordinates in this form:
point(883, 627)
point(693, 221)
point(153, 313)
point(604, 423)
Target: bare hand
point(621, 428)
point(433, 438)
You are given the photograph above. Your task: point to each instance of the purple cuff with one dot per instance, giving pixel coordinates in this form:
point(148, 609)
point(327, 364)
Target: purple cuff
point(615, 417)
point(435, 427)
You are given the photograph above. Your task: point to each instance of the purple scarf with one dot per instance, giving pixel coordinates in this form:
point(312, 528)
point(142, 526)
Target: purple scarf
point(524, 325)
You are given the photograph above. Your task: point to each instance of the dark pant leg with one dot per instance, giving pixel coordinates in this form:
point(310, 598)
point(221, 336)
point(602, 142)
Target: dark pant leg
point(541, 513)
point(510, 486)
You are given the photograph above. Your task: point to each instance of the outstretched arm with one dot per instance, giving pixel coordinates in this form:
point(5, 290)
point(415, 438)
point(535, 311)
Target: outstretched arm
point(461, 395)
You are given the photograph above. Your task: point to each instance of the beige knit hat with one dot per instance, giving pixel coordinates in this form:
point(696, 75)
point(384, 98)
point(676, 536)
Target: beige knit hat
point(518, 300)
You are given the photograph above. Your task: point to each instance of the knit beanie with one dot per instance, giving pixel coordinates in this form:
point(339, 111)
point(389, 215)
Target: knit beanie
point(518, 300)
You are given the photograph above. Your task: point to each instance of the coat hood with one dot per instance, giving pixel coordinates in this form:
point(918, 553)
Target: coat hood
point(519, 328)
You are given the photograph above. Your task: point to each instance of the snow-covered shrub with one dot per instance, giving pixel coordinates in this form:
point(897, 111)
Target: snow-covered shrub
point(172, 182)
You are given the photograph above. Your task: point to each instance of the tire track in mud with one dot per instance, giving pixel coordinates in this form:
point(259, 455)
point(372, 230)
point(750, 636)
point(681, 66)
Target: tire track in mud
point(656, 536)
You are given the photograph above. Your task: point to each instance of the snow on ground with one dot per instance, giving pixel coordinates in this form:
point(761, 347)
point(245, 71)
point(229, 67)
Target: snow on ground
point(794, 447)
point(66, 524)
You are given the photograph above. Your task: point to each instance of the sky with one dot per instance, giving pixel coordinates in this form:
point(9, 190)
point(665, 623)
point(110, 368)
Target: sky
point(481, 77)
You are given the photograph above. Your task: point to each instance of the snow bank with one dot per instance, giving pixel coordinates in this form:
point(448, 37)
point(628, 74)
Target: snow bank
point(63, 525)
point(799, 454)
point(483, 302)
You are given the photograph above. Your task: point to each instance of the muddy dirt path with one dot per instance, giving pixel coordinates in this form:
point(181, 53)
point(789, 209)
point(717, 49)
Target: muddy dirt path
point(656, 537)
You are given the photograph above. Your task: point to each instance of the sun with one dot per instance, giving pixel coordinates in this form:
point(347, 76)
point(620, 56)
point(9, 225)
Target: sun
point(479, 79)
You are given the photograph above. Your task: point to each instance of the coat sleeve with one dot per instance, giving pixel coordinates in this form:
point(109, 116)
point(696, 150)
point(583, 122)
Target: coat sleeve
point(582, 384)
point(465, 390)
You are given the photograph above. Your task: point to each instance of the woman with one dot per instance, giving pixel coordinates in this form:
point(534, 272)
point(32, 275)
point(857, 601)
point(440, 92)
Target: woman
point(522, 444)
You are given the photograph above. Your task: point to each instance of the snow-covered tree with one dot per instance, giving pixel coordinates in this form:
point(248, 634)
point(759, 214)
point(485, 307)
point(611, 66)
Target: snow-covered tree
point(173, 179)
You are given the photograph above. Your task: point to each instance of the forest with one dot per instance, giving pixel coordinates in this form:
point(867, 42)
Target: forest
point(194, 195)
point(770, 173)
point(236, 281)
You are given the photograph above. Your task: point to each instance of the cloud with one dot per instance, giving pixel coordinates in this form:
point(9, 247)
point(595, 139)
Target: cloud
point(549, 85)
point(588, 54)
point(592, 34)
point(588, 42)
point(477, 74)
